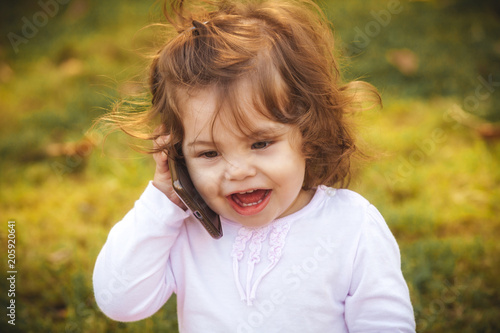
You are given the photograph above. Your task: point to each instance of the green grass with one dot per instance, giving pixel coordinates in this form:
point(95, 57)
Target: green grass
point(435, 180)
point(443, 209)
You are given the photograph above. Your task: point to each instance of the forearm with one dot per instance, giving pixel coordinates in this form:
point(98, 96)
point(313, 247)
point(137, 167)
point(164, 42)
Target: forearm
point(132, 275)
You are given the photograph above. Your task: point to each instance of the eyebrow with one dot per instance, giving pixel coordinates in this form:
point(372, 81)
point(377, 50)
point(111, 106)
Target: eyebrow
point(201, 142)
point(266, 132)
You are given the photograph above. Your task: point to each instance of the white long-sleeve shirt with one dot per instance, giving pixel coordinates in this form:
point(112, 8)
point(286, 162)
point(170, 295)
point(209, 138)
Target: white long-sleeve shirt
point(333, 266)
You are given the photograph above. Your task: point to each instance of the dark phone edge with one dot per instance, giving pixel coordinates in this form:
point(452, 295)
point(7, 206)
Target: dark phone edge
point(215, 232)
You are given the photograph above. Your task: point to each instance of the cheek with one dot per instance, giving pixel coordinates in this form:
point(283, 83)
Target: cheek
point(205, 180)
point(294, 164)
point(296, 173)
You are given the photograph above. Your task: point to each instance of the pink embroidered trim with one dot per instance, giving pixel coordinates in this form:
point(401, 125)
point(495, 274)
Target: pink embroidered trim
point(239, 246)
point(240, 242)
point(276, 244)
point(277, 234)
point(255, 247)
point(277, 240)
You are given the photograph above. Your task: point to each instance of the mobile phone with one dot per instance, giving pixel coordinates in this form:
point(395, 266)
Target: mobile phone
point(184, 187)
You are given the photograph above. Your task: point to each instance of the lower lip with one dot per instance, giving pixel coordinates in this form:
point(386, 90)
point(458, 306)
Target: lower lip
point(250, 210)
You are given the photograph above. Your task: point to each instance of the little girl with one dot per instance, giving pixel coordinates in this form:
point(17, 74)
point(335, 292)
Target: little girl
point(251, 93)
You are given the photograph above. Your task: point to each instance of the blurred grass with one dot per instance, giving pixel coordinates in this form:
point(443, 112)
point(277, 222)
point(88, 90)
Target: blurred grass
point(435, 180)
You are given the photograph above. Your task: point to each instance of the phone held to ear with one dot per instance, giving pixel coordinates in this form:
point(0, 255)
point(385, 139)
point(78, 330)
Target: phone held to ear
point(184, 187)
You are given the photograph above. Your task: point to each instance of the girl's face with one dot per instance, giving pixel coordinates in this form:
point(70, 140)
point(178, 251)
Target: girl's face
point(251, 179)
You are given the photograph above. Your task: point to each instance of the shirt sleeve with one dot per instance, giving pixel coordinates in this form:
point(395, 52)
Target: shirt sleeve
point(378, 299)
point(133, 275)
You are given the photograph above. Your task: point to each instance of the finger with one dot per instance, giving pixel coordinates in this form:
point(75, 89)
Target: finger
point(160, 157)
point(161, 141)
point(161, 160)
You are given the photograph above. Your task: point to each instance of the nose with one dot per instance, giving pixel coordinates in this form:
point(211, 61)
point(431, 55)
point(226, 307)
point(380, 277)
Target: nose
point(239, 168)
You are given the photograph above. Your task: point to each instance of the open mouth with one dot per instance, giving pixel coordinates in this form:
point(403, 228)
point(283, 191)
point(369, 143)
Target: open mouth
point(249, 202)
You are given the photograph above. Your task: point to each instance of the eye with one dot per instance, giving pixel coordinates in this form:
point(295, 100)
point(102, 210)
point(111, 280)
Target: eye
point(209, 154)
point(261, 144)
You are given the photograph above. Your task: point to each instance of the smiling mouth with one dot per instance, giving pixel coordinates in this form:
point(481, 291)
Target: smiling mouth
point(250, 198)
point(249, 202)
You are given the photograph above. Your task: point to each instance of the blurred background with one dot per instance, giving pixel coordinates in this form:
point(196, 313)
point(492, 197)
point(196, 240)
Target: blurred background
point(435, 176)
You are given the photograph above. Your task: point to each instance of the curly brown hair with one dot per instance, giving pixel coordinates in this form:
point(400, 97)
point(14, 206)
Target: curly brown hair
point(286, 50)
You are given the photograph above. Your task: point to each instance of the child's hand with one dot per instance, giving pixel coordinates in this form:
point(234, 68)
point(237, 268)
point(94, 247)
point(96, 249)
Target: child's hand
point(162, 179)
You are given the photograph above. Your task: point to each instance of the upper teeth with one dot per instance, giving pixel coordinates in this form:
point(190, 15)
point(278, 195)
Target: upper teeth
point(246, 192)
